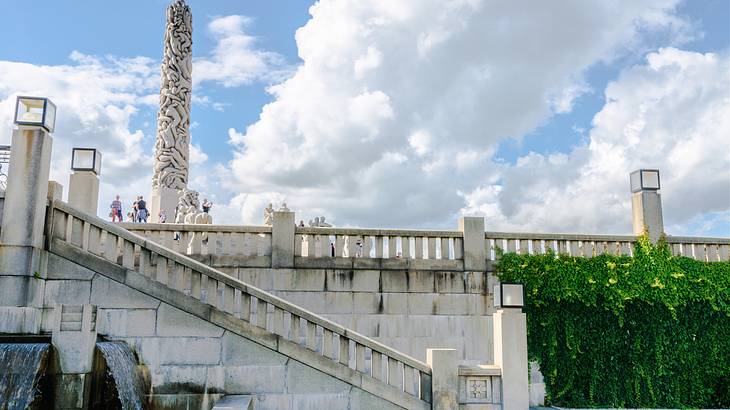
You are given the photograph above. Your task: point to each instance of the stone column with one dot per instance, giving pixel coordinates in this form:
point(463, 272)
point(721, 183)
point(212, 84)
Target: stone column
point(83, 191)
point(475, 254)
point(510, 354)
point(74, 340)
point(282, 240)
point(444, 378)
point(647, 213)
point(21, 239)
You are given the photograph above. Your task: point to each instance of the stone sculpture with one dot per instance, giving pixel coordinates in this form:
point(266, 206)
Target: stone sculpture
point(173, 119)
point(269, 215)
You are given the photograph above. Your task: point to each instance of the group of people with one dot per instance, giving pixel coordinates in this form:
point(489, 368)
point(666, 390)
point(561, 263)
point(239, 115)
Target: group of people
point(140, 213)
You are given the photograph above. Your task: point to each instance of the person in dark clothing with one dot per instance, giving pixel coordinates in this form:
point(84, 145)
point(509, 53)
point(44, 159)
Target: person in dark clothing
point(141, 210)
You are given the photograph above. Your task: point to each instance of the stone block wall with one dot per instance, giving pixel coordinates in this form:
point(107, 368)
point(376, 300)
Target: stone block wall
point(192, 362)
point(409, 311)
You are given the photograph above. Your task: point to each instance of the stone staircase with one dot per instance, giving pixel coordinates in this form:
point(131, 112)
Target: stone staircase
point(237, 307)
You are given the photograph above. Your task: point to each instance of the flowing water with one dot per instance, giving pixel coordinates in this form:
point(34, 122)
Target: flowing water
point(122, 365)
point(21, 367)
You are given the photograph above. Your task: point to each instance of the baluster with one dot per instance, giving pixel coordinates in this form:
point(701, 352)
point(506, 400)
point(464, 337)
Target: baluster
point(379, 244)
point(574, 249)
point(676, 249)
point(278, 321)
point(176, 276)
point(352, 248)
point(161, 275)
point(724, 253)
point(459, 249)
point(127, 254)
point(344, 350)
point(419, 248)
point(265, 241)
point(425, 386)
point(229, 298)
point(511, 245)
point(444, 245)
point(212, 293)
point(110, 247)
point(85, 235)
point(311, 336)
point(261, 313)
point(626, 248)
point(294, 329)
point(327, 344)
point(94, 240)
point(395, 377)
point(325, 250)
point(562, 247)
point(359, 357)
point(377, 366)
point(195, 285)
point(537, 247)
point(687, 250)
point(339, 245)
point(145, 262)
point(248, 247)
point(392, 247)
point(367, 246)
point(311, 251)
point(700, 252)
point(409, 380)
point(431, 248)
point(186, 280)
point(59, 225)
point(245, 307)
point(524, 247)
point(77, 231)
point(298, 240)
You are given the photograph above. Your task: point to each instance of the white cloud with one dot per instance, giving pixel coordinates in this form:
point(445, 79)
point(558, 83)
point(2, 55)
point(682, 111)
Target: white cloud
point(398, 106)
point(235, 60)
point(670, 113)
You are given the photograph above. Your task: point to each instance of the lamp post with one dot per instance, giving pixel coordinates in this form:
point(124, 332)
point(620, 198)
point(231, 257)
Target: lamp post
point(21, 239)
point(83, 190)
point(646, 203)
point(510, 344)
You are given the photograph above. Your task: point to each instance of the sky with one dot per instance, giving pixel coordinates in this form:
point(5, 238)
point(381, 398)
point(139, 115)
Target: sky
point(402, 114)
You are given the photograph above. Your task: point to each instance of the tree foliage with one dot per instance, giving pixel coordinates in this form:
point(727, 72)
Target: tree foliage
point(651, 330)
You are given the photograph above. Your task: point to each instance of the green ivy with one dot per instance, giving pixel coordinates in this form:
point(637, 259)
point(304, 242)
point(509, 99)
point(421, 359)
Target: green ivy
point(647, 331)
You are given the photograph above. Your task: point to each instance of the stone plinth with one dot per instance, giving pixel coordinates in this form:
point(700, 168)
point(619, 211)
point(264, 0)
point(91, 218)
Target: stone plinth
point(83, 191)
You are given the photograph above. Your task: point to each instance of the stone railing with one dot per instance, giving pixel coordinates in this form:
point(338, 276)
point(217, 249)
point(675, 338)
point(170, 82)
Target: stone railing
point(246, 245)
point(364, 248)
point(700, 248)
point(480, 386)
point(379, 368)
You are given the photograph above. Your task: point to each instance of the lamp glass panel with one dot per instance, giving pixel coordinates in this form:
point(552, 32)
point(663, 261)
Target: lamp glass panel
point(636, 181)
point(30, 110)
point(83, 159)
point(512, 295)
point(650, 179)
point(50, 121)
point(97, 164)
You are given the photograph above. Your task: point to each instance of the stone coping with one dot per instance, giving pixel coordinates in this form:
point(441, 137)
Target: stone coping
point(243, 287)
point(480, 370)
point(559, 236)
point(170, 227)
point(379, 232)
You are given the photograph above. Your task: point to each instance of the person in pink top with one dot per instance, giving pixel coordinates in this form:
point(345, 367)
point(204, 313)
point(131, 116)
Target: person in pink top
point(116, 210)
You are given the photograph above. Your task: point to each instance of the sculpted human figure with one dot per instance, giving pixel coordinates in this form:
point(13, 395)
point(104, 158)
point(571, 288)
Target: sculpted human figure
point(323, 224)
point(269, 215)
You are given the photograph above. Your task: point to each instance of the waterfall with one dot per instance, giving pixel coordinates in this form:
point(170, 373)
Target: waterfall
point(122, 365)
point(21, 367)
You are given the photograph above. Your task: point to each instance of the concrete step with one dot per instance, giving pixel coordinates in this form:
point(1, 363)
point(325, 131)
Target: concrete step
point(234, 402)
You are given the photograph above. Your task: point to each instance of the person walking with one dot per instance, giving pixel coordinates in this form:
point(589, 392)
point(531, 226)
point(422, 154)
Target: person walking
point(116, 209)
point(141, 210)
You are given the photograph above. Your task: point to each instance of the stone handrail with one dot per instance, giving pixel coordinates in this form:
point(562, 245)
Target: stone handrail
point(332, 341)
point(700, 248)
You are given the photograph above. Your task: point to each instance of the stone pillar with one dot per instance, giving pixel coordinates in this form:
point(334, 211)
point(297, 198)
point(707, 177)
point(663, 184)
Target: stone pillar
point(475, 254)
point(83, 191)
point(55, 191)
point(647, 213)
point(282, 240)
point(74, 340)
point(510, 354)
point(21, 239)
point(444, 378)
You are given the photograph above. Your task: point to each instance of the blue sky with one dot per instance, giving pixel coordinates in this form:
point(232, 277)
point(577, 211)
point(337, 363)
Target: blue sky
point(402, 157)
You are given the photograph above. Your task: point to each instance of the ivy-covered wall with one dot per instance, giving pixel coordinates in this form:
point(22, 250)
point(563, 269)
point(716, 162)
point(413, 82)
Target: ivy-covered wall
point(651, 330)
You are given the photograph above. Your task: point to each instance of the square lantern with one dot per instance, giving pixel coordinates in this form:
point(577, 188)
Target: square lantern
point(86, 159)
point(645, 180)
point(36, 112)
point(509, 295)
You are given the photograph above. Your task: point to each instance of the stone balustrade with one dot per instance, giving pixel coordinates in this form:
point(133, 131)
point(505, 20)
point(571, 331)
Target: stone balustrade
point(700, 248)
point(333, 343)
